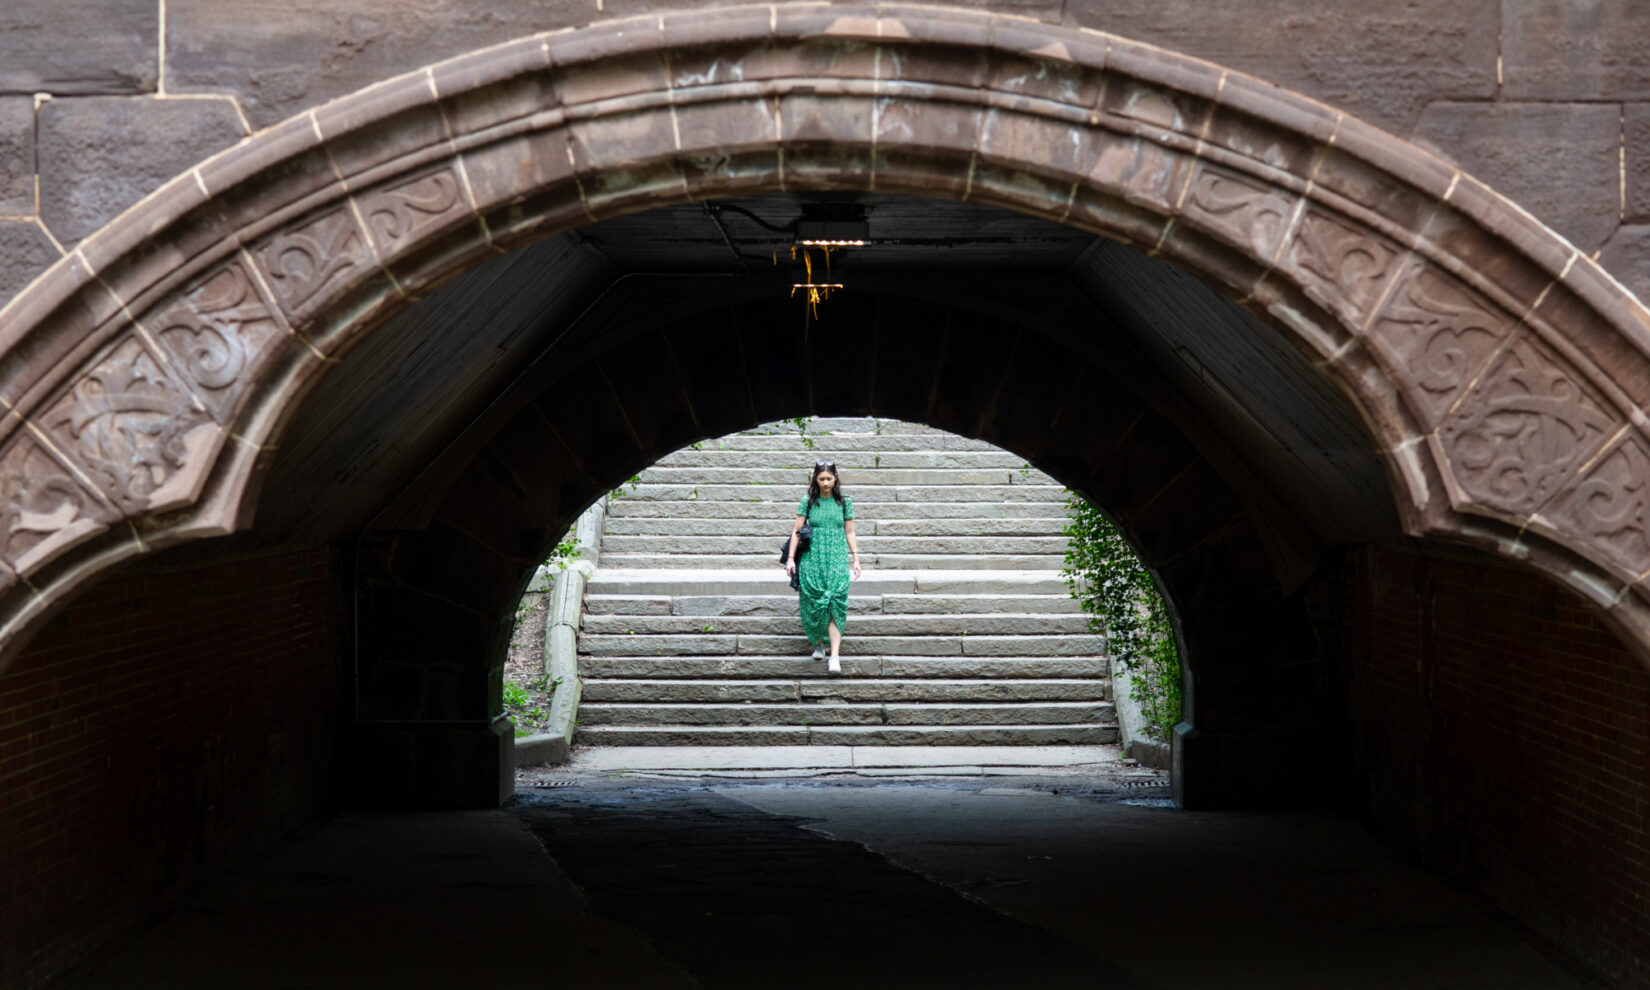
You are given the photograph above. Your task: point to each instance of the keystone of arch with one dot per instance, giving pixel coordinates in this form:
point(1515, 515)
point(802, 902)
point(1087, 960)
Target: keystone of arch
point(146, 376)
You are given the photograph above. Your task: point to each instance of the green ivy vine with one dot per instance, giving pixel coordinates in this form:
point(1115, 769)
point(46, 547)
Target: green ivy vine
point(1123, 604)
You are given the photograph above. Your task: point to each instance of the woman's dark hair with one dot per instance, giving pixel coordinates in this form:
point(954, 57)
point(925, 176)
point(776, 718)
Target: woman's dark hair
point(813, 483)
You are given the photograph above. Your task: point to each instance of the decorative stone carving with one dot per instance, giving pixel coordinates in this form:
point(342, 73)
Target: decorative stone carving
point(397, 213)
point(1340, 266)
point(1438, 334)
point(1611, 504)
point(215, 334)
point(302, 263)
point(1242, 211)
point(1140, 170)
point(1524, 430)
point(44, 511)
point(135, 429)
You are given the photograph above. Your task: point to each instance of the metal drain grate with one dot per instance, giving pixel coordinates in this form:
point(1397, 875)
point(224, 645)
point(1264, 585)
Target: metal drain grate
point(555, 783)
point(1142, 783)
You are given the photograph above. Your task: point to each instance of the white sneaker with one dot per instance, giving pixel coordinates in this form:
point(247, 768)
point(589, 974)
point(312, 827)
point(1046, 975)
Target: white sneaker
point(819, 653)
point(835, 667)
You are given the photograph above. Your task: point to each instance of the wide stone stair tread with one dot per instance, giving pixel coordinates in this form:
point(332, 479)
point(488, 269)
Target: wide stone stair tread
point(712, 605)
point(846, 713)
point(869, 477)
point(865, 625)
point(1087, 734)
point(787, 495)
point(946, 545)
point(962, 629)
point(845, 689)
point(797, 463)
point(731, 666)
point(780, 511)
point(767, 528)
point(710, 644)
point(891, 561)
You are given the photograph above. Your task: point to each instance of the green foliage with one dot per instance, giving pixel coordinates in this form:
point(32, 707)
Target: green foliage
point(565, 553)
point(627, 487)
point(1123, 603)
point(801, 424)
point(528, 705)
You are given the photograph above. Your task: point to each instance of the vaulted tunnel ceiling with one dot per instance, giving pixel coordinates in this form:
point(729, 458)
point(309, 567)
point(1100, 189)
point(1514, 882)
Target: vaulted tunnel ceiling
point(378, 425)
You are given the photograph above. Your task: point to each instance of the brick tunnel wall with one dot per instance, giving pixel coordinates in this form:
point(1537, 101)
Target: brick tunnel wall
point(1509, 749)
point(166, 725)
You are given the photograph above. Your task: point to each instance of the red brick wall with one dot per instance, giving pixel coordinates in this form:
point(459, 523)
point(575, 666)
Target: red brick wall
point(166, 725)
point(1504, 737)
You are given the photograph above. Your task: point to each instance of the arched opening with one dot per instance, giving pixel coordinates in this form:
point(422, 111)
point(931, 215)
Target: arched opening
point(1458, 374)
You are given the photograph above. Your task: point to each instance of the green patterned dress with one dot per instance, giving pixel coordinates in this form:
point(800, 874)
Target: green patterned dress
point(823, 571)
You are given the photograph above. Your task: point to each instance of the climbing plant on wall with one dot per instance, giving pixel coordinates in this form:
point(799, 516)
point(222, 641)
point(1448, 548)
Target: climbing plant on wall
point(1123, 603)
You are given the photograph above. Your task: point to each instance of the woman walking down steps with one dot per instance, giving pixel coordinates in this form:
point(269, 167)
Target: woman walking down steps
point(823, 571)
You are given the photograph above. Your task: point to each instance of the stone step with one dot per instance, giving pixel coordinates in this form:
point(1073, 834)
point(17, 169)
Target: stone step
point(768, 578)
point(760, 493)
point(786, 604)
point(769, 525)
point(890, 561)
point(852, 482)
point(626, 508)
point(799, 664)
point(867, 713)
point(819, 425)
point(868, 545)
point(843, 689)
point(708, 459)
point(763, 644)
point(1041, 624)
point(826, 446)
point(848, 735)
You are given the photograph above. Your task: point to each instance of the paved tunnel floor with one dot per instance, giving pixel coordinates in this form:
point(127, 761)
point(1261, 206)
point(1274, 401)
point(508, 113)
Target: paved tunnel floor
point(1060, 878)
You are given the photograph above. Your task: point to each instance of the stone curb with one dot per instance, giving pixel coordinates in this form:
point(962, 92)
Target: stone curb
point(561, 645)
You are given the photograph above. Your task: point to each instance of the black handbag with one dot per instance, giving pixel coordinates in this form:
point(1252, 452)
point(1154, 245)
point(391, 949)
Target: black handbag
point(804, 537)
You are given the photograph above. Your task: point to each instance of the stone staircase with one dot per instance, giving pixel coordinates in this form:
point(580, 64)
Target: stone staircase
point(961, 631)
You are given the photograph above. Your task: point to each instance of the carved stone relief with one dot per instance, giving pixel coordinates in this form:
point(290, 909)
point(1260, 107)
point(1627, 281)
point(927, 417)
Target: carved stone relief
point(216, 334)
point(1341, 267)
point(302, 263)
point(1525, 429)
point(44, 511)
point(1611, 504)
point(1438, 334)
point(135, 429)
point(397, 213)
point(1240, 210)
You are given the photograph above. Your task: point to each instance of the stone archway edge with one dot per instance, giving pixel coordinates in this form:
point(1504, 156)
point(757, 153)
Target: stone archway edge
point(147, 374)
point(561, 645)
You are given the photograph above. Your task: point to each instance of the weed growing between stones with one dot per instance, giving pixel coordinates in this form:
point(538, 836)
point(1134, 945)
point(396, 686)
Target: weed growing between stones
point(1124, 605)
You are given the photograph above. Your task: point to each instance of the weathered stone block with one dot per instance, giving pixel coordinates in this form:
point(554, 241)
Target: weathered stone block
point(1563, 50)
point(1560, 161)
point(25, 251)
point(281, 59)
point(16, 156)
point(1627, 256)
point(98, 156)
point(1382, 60)
point(1636, 160)
point(77, 47)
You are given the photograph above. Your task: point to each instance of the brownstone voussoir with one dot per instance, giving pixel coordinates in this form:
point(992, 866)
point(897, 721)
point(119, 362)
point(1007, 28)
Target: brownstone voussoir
point(1447, 314)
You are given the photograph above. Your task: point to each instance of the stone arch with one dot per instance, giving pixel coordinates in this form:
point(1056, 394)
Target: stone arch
point(148, 374)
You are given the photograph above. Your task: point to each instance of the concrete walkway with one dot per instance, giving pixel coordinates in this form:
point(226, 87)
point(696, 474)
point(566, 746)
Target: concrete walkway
point(1080, 876)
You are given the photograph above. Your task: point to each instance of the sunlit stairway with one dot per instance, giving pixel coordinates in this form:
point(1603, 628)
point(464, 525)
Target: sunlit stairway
point(961, 632)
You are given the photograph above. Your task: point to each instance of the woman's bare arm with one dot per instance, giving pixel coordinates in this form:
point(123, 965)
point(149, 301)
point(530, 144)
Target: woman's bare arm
point(790, 557)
